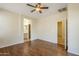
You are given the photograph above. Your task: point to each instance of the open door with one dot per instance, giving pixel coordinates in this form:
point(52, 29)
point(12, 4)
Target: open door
point(61, 33)
point(29, 30)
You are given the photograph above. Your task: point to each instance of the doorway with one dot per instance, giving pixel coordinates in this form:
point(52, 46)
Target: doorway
point(27, 30)
point(61, 33)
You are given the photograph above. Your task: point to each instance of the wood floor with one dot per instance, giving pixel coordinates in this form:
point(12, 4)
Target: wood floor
point(34, 48)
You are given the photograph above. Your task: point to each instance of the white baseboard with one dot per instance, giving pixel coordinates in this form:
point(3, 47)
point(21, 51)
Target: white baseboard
point(11, 44)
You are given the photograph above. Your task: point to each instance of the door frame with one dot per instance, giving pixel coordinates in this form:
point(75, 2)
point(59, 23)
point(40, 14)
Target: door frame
point(66, 33)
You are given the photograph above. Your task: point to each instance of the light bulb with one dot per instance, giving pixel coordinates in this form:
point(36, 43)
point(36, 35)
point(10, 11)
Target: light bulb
point(38, 9)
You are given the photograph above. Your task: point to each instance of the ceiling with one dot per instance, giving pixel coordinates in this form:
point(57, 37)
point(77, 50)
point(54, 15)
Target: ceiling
point(25, 10)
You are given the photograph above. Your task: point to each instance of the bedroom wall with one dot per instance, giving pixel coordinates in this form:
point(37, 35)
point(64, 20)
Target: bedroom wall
point(47, 27)
point(34, 34)
point(73, 28)
point(10, 28)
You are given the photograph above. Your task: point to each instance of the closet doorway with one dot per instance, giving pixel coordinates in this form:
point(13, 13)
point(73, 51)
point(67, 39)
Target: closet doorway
point(61, 33)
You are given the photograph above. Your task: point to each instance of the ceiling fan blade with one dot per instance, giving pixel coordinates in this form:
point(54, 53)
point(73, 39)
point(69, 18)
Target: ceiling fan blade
point(30, 5)
point(43, 7)
point(38, 4)
point(33, 10)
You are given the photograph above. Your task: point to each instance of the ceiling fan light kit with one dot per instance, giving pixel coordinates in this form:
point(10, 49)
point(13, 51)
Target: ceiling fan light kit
point(38, 9)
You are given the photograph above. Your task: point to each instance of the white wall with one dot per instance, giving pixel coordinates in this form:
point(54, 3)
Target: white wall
point(34, 31)
point(10, 28)
point(47, 27)
point(73, 28)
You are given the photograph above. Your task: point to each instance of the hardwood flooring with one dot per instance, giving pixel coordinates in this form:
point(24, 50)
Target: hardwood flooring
point(35, 48)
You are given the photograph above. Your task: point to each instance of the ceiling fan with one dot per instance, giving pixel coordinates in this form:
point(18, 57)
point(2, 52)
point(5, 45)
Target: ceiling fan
point(38, 7)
